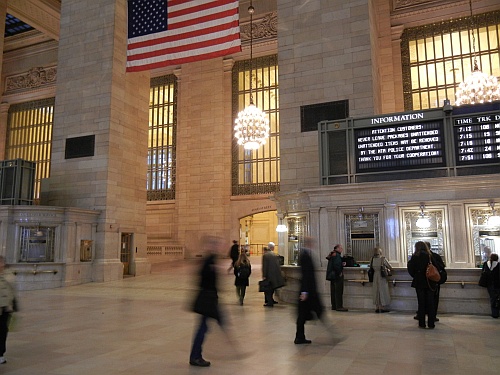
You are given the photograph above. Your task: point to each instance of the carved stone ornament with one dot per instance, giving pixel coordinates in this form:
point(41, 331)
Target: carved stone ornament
point(406, 4)
point(34, 78)
point(265, 28)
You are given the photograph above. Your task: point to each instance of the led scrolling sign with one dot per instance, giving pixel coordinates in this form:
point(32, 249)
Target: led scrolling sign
point(421, 144)
point(400, 146)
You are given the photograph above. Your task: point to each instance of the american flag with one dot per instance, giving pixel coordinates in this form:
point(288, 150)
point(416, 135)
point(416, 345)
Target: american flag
point(172, 32)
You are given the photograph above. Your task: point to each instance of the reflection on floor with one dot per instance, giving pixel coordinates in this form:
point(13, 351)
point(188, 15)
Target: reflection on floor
point(142, 326)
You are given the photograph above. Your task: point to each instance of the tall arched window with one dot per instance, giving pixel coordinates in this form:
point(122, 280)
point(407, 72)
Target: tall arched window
point(162, 134)
point(437, 57)
point(257, 172)
point(29, 136)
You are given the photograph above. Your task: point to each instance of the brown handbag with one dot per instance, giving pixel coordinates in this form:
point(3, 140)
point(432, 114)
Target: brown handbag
point(432, 273)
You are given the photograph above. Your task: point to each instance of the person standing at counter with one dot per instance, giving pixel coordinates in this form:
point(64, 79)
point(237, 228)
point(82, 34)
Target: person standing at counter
point(490, 279)
point(425, 288)
point(271, 271)
point(335, 273)
point(380, 288)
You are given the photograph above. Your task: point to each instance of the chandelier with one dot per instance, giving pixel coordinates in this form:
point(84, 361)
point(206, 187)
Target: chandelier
point(251, 127)
point(478, 87)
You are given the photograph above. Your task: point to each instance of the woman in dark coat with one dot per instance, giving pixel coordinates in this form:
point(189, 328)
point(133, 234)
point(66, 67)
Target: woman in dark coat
point(242, 272)
point(425, 288)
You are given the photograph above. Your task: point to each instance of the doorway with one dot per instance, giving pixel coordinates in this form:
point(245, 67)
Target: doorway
point(126, 252)
point(257, 230)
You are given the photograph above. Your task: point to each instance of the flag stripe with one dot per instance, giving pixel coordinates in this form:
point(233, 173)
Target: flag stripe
point(197, 30)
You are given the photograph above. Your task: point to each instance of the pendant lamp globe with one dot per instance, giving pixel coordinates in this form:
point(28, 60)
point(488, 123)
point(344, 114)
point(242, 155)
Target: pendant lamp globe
point(251, 127)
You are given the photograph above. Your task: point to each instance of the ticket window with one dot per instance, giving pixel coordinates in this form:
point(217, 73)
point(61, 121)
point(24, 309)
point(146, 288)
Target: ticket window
point(297, 230)
point(424, 225)
point(362, 235)
point(486, 237)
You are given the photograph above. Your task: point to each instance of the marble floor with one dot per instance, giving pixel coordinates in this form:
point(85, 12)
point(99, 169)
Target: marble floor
point(142, 325)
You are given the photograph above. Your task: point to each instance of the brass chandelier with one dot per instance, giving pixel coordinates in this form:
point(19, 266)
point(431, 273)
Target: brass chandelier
point(478, 87)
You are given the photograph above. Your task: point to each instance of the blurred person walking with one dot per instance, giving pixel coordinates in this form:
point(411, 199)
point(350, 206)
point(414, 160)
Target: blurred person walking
point(207, 302)
point(309, 300)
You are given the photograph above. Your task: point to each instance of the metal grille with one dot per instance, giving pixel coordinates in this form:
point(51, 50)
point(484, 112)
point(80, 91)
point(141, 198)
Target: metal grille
point(36, 244)
point(362, 235)
point(257, 172)
point(437, 57)
point(29, 136)
point(162, 138)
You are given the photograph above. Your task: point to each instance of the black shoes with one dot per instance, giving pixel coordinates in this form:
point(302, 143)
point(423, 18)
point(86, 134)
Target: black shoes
point(416, 318)
point(268, 305)
point(301, 341)
point(200, 362)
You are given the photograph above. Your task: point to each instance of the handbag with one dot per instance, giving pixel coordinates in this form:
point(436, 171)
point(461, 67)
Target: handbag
point(265, 286)
point(484, 278)
point(384, 271)
point(371, 271)
point(432, 273)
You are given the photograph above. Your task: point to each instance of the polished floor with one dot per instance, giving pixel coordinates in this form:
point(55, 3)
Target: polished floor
point(141, 325)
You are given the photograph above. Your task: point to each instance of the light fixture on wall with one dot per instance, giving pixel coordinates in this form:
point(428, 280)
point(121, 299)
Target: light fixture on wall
point(360, 213)
point(494, 219)
point(423, 222)
point(281, 228)
point(251, 127)
point(478, 87)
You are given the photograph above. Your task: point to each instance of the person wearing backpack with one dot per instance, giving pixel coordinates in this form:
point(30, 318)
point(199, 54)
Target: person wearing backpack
point(242, 272)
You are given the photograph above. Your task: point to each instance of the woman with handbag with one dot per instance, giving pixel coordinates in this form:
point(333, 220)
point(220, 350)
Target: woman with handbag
point(490, 278)
point(425, 288)
point(380, 288)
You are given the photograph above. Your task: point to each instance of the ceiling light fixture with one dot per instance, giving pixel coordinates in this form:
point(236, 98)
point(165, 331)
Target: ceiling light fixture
point(251, 127)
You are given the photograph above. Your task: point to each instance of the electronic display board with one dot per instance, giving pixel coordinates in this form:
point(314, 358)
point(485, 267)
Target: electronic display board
point(401, 146)
point(477, 139)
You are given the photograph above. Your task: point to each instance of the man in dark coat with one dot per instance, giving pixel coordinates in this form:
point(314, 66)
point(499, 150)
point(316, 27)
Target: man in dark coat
point(234, 254)
point(309, 300)
point(336, 270)
point(271, 271)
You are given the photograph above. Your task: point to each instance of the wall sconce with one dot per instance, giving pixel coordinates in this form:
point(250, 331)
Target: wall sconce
point(281, 228)
point(494, 219)
point(423, 222)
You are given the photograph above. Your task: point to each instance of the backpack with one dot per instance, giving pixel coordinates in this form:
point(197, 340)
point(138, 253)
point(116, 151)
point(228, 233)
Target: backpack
point(244, 272)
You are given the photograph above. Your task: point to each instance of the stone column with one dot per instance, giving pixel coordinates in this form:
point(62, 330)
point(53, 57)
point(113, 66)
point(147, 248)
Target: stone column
point(4, 107)
point(95, 97)
point(4, 114)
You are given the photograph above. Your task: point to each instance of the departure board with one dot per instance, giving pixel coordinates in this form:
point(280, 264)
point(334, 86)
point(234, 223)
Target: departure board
point(401, 146)
point(477, 139)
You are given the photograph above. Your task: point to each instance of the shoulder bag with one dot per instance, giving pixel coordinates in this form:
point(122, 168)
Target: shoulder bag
point(371, 271)
point(432, 273)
